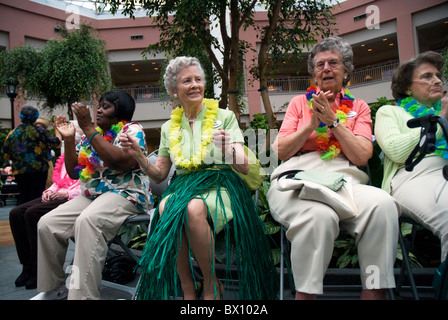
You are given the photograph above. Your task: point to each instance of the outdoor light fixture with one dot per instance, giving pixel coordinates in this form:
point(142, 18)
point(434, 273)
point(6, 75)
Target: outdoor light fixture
point(11, 93)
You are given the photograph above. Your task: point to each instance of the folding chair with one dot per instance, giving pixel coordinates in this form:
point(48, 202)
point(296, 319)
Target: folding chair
point(406, 247)
point(143, 221)
point(285, 248)
point(285, 252)
point(440, 281)
point(425, 146)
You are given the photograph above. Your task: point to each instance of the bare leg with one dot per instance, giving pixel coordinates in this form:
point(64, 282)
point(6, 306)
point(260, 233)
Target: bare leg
point(377, 294)
point(183, 264)
point(202, 245)
point(305, 296)
point(184, 271)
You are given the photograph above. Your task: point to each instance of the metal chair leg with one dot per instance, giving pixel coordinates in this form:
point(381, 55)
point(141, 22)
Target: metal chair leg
point(406, 268)
point(282, 264)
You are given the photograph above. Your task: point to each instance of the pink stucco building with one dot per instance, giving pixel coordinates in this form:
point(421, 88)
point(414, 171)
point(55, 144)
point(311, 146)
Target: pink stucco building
point(382, 33)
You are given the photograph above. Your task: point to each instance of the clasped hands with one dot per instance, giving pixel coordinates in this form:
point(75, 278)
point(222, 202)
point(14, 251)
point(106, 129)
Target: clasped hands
point(321, 110)
point(221, 139)
point(50, 195)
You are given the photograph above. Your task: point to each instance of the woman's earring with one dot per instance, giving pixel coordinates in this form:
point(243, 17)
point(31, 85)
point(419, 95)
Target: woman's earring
point(408, 92)
point(175, 96)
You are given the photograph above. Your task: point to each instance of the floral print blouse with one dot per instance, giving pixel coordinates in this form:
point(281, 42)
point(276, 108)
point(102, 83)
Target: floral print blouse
point(27, 146)
point(132, 184)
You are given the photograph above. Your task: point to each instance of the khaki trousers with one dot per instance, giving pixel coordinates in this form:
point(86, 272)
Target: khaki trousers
point(92, 223)
point(312, 228)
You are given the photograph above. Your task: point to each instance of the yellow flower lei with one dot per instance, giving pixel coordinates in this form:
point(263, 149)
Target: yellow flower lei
point(175, 136)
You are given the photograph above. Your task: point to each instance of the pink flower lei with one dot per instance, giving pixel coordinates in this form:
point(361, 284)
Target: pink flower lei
point(57, 174)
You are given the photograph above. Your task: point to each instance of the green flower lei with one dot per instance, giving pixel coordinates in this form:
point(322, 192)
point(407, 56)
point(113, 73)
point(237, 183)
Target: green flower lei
point(417, 110)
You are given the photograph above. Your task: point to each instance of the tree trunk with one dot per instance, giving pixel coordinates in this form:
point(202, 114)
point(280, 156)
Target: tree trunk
point(272, 118)
point(262, 66)
point(233, 61)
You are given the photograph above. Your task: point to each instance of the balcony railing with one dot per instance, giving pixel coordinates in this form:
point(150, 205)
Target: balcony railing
point(359, 77)
point(373, 74)
point(292, 84)
point(141, 93)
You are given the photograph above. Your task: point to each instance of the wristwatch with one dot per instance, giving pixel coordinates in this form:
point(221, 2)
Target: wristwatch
point(335, 124)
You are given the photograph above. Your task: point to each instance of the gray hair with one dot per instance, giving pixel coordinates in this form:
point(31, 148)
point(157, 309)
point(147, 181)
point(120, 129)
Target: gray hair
point(173, 69)
point(333, 44)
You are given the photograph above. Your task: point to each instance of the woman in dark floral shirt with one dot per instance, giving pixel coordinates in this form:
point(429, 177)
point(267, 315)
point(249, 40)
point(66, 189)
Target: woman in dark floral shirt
point(26, 147)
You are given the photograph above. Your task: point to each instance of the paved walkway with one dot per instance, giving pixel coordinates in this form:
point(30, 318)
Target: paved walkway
point(10, 268)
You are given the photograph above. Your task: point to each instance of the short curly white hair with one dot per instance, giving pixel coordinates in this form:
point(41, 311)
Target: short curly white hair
point(330, 44)
point(173, 69)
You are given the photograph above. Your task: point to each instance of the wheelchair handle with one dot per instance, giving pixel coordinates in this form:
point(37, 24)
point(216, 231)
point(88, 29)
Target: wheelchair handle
point(427, 139)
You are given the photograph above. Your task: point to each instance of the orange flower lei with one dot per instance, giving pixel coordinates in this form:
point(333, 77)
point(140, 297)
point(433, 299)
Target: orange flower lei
point(325, 141)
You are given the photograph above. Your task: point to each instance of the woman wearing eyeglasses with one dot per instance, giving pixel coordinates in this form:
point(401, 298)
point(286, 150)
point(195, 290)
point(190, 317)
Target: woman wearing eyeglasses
point(423, 192)
point(329, 130)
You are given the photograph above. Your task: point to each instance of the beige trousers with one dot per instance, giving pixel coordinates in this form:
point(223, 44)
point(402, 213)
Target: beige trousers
point(313, 226)
point(423, 196)
point(92, 223)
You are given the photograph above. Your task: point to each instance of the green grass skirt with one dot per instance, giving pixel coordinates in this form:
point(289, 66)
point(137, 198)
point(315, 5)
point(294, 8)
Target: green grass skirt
point(247, 244)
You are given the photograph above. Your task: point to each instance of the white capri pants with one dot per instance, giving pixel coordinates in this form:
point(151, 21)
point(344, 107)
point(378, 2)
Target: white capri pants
point(92, 223)
point(312, 228)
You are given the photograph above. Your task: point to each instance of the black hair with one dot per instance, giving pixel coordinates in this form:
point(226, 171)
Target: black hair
point(29, 114)
point(123, 102)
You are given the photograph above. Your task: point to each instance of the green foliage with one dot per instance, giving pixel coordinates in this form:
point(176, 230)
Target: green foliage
point(19, 64)
point(133, 236)
point(74, 68)
point(406, 231)
point(3, 134)
point(376, 164)
point(64, 71)
point(345, 252)
point(376, 105)
point(260, 122)
point(297, 26)
point(445, 65)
